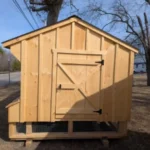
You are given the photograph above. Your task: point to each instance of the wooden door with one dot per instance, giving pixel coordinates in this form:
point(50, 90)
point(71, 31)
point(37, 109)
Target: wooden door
point(77, 82)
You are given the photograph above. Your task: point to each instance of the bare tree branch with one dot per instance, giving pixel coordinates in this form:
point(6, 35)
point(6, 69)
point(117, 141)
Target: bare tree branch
point(141, 27)
point(147, 29)
point(72, 5)
point(44, 8)
point(148, 2)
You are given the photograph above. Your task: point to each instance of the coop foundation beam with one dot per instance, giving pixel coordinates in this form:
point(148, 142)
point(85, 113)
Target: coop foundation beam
point(77, 135)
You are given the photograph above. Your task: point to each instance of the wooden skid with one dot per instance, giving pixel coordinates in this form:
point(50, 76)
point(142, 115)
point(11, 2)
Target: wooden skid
point(29, 135)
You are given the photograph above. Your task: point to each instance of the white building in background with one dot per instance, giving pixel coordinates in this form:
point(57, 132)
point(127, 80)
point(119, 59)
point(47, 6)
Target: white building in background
point(139, 64)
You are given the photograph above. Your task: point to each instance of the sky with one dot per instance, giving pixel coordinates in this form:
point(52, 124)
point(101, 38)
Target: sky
point(13, 24)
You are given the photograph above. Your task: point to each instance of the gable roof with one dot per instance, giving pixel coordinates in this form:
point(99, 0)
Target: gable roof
point(71, 19)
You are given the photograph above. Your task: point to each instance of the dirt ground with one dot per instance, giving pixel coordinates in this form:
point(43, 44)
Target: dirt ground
point(138, 128)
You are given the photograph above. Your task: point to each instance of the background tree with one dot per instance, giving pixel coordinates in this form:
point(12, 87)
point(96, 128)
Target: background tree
point(51, 7)
point(135, 24)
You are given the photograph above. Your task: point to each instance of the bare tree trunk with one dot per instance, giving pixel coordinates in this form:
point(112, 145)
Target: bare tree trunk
point(148, 72)
point(148, 65)
point(53, 13)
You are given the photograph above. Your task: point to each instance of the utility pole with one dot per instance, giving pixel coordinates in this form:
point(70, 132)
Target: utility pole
point(52, 7)
point(9, 68)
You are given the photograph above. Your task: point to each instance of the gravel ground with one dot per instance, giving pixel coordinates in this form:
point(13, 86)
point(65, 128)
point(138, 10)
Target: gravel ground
point(138, 128)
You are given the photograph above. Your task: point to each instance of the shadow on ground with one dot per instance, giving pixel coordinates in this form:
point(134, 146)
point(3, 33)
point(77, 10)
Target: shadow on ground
point(134, 141)
point(4, 114)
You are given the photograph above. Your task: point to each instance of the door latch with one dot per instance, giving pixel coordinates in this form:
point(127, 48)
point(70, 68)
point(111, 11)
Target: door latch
point(100, 62)
point(98, 111)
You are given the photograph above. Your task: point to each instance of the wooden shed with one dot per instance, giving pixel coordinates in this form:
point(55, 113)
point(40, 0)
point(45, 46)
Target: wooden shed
point(71, 72)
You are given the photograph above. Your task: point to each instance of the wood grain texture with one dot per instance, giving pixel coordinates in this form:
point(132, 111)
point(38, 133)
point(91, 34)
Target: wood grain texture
point(40, 80)
point(24, 55)
point(130, 81)
point(12, 129)
point(121, 84)
point(61, 79)
point(47, 42)
point(32, 73)
point(108, 79)
point(16, 50)
point(13, 113)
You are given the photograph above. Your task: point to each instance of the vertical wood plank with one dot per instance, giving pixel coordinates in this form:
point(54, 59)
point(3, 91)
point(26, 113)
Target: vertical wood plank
point(23, 81)
point(102, 85)
point(93, 84)
point(87, 57)
point(72, 35)
point(40, 85)
point(94, 40)
point(80, 37)
point(32, 79)
point(16, 50)
point(114, 86)
point(54, 78)
point(66, 36)
point(102, 78)
point(87, 42)
point(57, 38)
point(54, 87)
point(121, 84)
point(49, 41)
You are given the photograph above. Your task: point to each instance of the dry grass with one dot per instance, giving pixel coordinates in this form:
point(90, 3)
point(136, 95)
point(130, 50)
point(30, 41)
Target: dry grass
point(138, 128)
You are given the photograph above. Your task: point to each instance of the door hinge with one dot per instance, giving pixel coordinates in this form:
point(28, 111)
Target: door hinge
point(98, 111)
point(100, 62)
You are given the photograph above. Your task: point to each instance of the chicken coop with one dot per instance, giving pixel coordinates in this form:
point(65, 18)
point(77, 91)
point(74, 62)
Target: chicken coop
point(76, 82)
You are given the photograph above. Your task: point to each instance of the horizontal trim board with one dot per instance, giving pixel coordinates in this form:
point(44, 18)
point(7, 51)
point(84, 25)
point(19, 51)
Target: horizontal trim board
point(79, 52)
point(78, 62)
point(75, 111)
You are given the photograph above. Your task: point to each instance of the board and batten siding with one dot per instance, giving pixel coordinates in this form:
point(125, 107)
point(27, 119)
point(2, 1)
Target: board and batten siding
point(37, 100)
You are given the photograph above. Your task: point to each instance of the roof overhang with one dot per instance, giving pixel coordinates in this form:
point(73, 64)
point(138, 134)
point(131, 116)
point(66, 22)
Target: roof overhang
point(71, 19)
